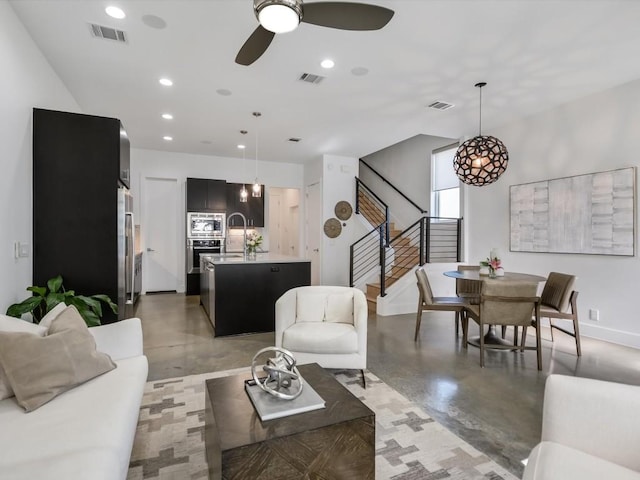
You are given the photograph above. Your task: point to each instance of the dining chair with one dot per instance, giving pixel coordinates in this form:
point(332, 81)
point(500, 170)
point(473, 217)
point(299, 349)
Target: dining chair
point(427, 302)
point(559, 300)
point(468, 289)
point(511, 304)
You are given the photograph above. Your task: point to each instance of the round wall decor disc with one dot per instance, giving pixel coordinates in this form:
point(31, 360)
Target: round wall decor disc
point(332, 228)
point(343, 210)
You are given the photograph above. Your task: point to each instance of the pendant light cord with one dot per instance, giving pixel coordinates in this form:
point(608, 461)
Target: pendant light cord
point(480, 128)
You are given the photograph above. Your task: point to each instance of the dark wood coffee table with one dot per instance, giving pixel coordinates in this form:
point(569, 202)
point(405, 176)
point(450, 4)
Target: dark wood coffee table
point(336, 442)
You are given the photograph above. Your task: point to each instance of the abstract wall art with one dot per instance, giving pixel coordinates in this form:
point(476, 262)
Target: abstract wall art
point(591, 214)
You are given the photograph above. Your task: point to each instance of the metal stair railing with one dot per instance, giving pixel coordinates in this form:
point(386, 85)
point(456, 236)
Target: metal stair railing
point(365, 254)
point(372, 208)
point(428, 240)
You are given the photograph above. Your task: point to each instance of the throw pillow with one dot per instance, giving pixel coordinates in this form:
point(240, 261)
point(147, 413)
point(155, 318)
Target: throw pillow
point(340, 307)
point(41, 368)
point(310, 306)
point(12, 324)
point(52, 314)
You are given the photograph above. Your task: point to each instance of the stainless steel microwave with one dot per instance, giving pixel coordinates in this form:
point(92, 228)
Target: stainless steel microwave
point(206, 225)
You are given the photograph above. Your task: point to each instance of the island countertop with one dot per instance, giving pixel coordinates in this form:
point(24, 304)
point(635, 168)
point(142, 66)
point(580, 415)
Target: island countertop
point(239, 258)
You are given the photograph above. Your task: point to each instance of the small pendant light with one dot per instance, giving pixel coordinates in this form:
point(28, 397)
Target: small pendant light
point(244, 194)
point(256, 190)
point(482, 159)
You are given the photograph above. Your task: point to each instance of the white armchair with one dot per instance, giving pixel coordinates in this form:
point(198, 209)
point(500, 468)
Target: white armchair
point(590, 430)
point(324, 324)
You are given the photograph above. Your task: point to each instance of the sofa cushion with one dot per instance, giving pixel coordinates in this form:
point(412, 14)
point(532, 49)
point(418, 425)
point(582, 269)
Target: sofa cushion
point(47, 320)
point(339, 308)
point(12, 324)
point(323, 337)
point(84, 433)
point(553, 461)
point(310, 306)
point(41, 368)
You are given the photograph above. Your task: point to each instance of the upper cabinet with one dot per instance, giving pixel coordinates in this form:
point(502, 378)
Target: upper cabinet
point(205, 195)
point(252, 209)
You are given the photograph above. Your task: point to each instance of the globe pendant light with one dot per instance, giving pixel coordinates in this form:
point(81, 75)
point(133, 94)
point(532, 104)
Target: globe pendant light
point(482, 159)
point(256, 190)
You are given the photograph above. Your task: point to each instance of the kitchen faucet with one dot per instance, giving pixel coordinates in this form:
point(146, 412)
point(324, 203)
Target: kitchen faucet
point(244, 223)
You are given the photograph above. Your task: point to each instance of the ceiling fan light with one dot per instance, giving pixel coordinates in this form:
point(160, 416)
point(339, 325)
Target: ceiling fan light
point(279, 17)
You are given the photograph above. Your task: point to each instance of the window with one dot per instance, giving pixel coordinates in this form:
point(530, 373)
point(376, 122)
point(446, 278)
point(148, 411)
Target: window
point(445, 185)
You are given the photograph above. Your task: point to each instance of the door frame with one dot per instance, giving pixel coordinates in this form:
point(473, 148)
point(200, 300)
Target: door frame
point(179, 233)
point(308, 218)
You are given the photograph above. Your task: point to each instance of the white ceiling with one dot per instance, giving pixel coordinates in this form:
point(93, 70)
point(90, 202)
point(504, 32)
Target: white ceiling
point(534, 54)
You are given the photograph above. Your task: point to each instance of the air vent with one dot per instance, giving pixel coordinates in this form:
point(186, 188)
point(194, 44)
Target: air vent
point(294, 139)
point(311, 78)
point(108, 33)
point(441, 105)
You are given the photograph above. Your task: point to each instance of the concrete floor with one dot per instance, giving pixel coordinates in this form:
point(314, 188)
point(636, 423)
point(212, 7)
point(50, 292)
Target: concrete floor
point(497, 409)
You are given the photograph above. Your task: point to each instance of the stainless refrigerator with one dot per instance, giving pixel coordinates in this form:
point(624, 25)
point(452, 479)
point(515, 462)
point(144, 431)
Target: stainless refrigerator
point(83, 225)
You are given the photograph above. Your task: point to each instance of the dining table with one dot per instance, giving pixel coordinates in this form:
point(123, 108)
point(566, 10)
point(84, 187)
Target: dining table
point(491, 338)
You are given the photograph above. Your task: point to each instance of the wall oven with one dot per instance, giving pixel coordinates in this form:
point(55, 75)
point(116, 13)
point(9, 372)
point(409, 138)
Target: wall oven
point(206, 225)
point(196, 247)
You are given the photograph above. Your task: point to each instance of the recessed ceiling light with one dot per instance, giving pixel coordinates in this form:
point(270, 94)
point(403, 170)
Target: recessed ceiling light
point(166, 82)
point(115, 12)
point(359, 71)
point(327, 63)
point(167, 116)
point(167, 138)
point(242, 147)
point(154, 21)
point(224, 92)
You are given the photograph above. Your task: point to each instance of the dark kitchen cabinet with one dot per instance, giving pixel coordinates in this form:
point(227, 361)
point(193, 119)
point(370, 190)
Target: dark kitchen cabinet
point(206, 195)
point(79, 222)
point(252, 209)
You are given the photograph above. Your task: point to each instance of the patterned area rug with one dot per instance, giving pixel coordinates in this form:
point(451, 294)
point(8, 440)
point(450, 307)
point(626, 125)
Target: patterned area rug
point(410, 445)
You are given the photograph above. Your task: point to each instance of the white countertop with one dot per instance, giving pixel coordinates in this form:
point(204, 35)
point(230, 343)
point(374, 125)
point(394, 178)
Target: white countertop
point(226, 258)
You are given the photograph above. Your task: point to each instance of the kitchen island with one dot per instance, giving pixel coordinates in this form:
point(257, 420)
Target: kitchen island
point(239, 295)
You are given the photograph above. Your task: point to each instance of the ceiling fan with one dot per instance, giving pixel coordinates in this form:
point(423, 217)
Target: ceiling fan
point(280, 16)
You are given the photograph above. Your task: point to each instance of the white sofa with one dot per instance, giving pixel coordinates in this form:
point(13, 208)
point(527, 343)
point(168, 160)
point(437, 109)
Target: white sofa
point(590, 430)
point(324, 324)
point(85, 433)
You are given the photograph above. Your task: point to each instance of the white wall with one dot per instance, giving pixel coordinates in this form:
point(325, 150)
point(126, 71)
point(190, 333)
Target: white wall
point(407, 165)
point(338, 183)
point(594, 134)
point(156, 164)
point(27, 81)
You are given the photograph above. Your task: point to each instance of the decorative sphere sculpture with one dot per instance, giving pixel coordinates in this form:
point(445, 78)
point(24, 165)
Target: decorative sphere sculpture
point(281, 371)
point(481, 160)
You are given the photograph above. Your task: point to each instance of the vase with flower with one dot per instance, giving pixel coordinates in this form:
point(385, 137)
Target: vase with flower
point(495, 264)
point(254, 240)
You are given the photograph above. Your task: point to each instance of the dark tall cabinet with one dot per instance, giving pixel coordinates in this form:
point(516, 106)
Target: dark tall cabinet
point(79, 163)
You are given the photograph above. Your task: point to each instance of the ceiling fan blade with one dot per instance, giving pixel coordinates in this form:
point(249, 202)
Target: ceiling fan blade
point(255, 46)
point(346, 15)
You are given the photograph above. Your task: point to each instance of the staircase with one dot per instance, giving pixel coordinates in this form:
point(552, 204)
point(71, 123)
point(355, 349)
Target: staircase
point(406, 257)
point(393, 252)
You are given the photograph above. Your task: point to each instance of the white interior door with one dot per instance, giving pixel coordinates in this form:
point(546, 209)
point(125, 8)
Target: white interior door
point(293, 231)
point(275, 221)
point(314, 238)
point(160, 235)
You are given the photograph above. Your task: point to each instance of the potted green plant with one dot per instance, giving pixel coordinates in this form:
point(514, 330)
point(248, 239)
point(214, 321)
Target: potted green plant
point(45, 298)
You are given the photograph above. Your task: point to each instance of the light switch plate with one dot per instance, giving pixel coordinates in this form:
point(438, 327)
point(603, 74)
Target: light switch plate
point(23, 250)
